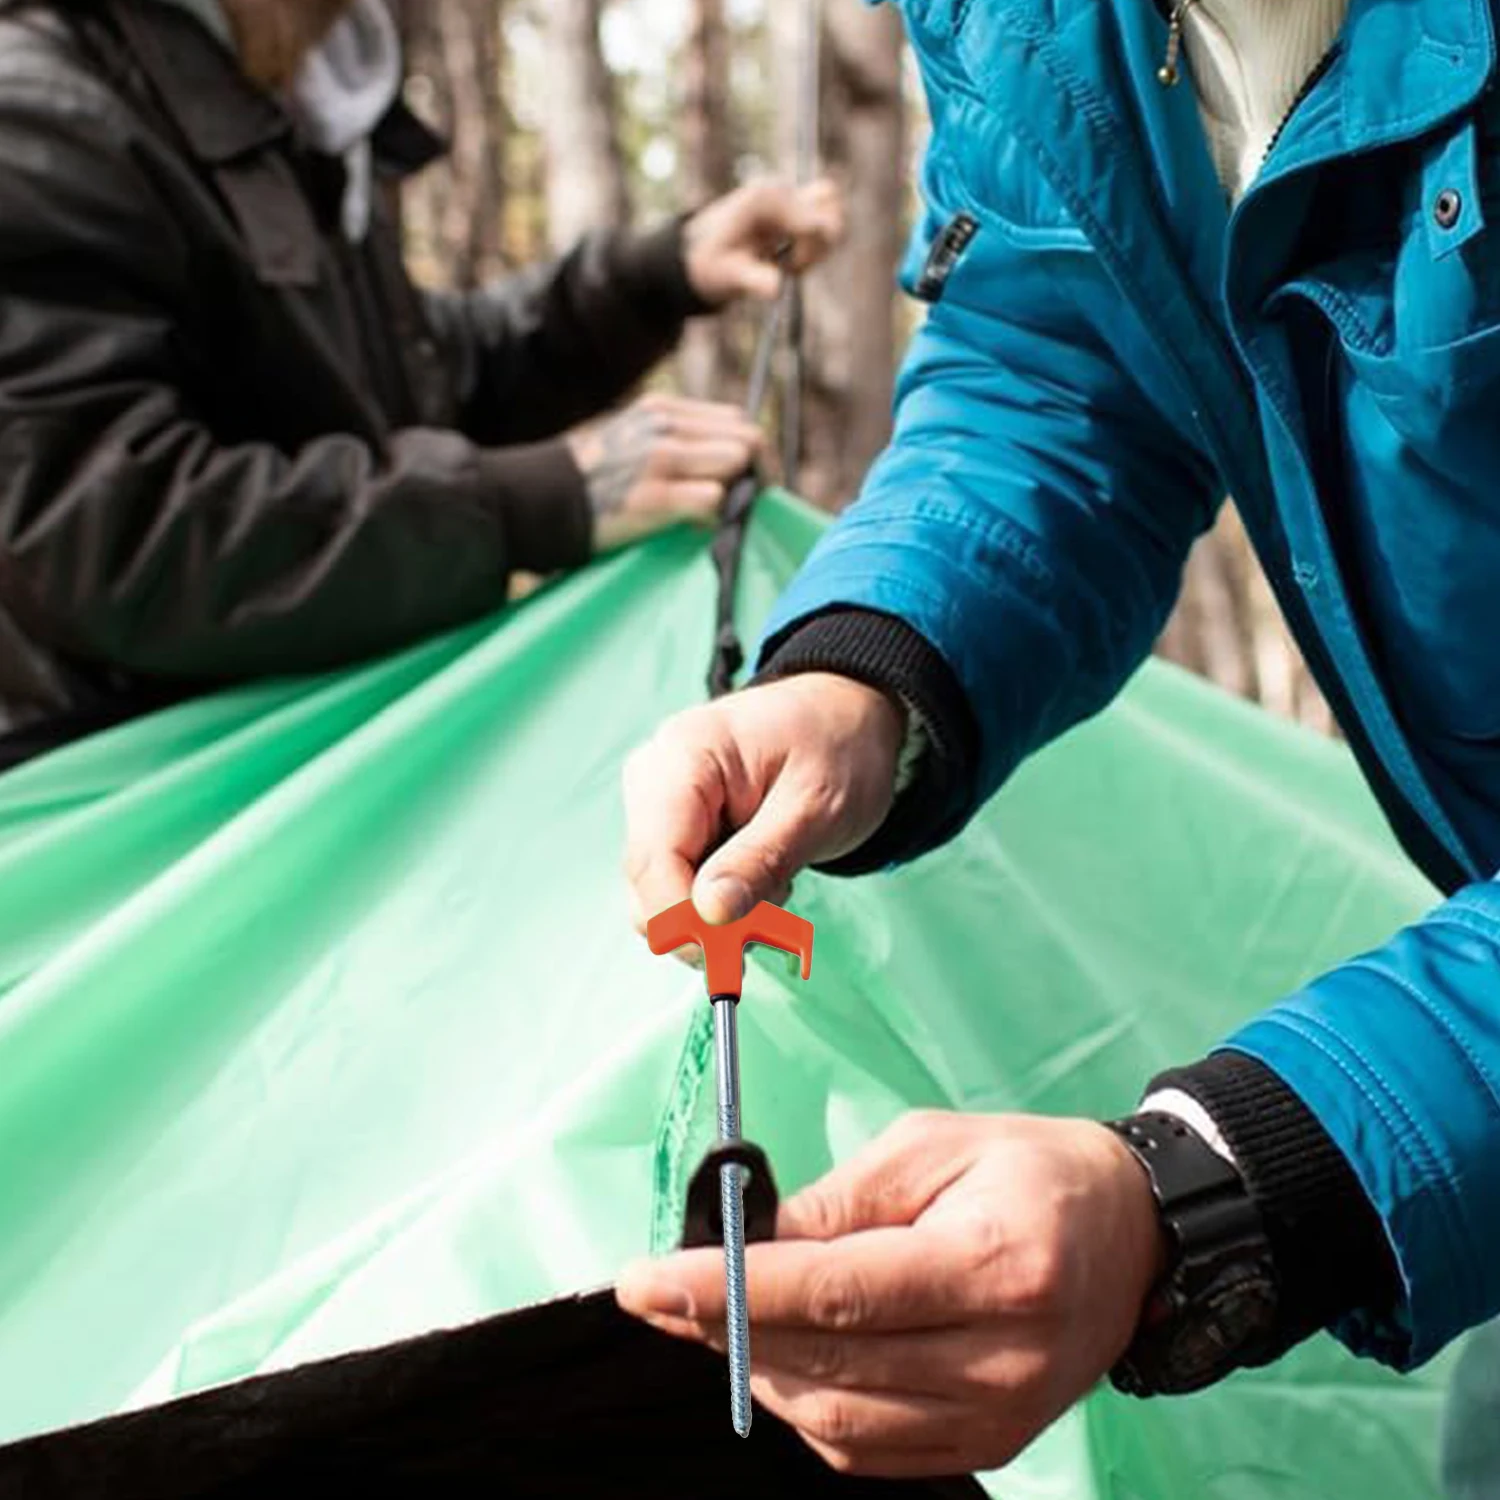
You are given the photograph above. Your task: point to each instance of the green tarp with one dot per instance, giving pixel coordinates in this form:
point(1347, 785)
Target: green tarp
point(324, 1023)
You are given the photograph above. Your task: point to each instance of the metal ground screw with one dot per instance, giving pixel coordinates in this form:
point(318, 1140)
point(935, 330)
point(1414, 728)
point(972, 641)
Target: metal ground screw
point(724, 969)
point(732, 1209)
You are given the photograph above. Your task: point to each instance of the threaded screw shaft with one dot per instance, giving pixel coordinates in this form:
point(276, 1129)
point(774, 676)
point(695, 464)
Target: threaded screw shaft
point(732, 1211)
point(732, 1206)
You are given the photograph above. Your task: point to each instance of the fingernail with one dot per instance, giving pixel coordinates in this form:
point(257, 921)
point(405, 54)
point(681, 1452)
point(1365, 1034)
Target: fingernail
point(726, 898)
point(643, 1289)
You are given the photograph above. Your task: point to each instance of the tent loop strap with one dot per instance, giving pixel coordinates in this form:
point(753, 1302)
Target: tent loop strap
point(785, 313)
point(703, 1221)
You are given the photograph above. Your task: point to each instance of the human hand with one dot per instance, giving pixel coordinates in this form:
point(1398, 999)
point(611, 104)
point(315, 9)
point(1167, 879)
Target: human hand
point(731, 246)
point(940, 1300)
point(664, 459)
point(793, 772)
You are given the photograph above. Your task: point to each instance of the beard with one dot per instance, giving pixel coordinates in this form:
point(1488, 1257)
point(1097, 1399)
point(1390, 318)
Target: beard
point(274, 36)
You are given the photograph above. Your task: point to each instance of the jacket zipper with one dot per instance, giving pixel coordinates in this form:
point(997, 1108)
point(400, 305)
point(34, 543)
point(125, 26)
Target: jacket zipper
point(1311, 82)
point(1170, 74)
point(1174, 13)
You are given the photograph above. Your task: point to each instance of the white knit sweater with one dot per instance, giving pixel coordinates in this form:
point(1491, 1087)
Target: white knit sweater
point(1248, 60)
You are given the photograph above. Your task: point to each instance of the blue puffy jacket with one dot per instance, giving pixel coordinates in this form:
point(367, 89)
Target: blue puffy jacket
point(1109, 352)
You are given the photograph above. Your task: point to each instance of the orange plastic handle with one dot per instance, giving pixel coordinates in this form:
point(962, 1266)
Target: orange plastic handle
point(724, 947)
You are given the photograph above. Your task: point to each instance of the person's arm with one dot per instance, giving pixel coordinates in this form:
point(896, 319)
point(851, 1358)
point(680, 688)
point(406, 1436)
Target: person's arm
point(1011, 561)
point(1394, 1058)
point(935, 1303)
point(1015, 552)
point(545, 348)
point(128, 533)
point(551, 346)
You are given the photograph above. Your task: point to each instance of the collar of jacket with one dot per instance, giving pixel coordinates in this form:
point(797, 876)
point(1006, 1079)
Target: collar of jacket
point(1398, 69)
point(222, 115)
point(1404, 64)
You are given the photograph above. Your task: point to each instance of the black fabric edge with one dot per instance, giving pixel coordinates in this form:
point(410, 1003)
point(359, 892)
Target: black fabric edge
point(542, 1402)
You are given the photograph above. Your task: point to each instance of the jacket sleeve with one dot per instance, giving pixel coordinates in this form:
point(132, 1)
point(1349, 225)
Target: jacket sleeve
point(129, 535)
point(1397, 1054)
point(547, 348)
point(1031, 517)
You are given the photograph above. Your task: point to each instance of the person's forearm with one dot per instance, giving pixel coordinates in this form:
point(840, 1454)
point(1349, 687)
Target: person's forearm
point(1397, 1054)
point(249, 562)
point(550, 347)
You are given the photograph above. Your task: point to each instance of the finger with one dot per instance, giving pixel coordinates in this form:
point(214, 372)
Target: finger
point(698, 500)
point(889, 1182)
point(934, 1362)
point(881, 1281)
point(794, 826)
point(820, 228)
point(697, 422)
point(686, 409)
point(752, 276)
point(777, 209)
point(696, 428)
point(822, 196)
point(859, 1421)
point(660, 502)
point(705, 458)
point(674, 799)
point(820, 208)
point(893, 1463)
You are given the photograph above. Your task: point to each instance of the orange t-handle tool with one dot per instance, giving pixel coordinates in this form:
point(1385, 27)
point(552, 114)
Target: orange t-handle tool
point(724, 957)
point(724, 947)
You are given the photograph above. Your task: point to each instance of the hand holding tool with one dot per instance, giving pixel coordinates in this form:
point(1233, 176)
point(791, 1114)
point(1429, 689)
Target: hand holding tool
point(723, 953)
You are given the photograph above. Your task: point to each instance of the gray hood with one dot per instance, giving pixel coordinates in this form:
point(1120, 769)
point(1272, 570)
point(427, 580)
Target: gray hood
point(344, 90)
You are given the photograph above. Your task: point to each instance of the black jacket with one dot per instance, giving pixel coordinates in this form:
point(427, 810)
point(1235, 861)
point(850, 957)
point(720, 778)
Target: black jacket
point(232, 444)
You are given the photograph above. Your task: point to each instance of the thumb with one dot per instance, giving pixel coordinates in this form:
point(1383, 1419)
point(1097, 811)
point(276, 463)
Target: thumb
point(887, 1185)
point(789, 831)
point(755, 278)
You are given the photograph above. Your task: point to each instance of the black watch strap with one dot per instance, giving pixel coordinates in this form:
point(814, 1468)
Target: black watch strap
point(1214, 1309)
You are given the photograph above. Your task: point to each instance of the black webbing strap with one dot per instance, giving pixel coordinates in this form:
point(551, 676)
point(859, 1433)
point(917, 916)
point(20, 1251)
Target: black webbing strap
point(727, 551)
point(703, 1220)
point(734, 518)
point(786, 312)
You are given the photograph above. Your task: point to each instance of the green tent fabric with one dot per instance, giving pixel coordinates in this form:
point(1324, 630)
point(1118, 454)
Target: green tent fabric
point(323, 1022)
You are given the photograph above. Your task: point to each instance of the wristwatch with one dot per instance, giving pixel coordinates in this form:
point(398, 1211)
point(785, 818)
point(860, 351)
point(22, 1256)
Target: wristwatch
point(1214, 1310)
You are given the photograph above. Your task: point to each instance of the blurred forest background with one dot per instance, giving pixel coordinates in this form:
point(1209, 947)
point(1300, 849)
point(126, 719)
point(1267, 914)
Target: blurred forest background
point(569, 114)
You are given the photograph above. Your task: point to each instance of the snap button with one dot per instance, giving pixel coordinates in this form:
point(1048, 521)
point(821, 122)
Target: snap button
point(1449, 208)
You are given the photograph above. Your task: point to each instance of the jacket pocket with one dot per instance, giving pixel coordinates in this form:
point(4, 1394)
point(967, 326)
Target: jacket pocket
point(1422, 440)
point(1408, 378)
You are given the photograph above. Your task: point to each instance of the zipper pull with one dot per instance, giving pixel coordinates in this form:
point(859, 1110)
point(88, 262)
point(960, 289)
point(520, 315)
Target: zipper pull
point(1169, 74)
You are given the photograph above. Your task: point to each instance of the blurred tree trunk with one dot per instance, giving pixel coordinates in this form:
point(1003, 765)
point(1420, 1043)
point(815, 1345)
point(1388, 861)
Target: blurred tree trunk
point(1228, 629)
point(849, 307)
point(454, 212)
point(707, 154)
point(586, 182)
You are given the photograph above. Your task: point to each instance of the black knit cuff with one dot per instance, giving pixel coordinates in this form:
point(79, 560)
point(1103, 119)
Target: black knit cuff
point(888, 654)
point(651, 267)
point(1327, 1242)
point(542, 504)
